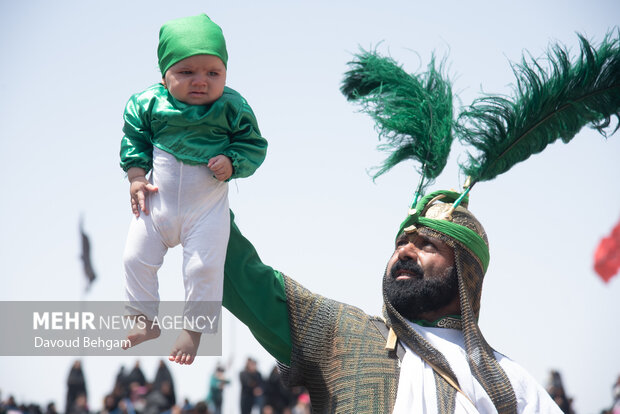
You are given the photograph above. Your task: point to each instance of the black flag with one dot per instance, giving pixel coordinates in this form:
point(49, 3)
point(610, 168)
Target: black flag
point(88, 267)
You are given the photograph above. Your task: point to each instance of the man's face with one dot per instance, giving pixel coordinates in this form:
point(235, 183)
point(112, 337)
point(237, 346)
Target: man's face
point(420, 276)
point(196, 80)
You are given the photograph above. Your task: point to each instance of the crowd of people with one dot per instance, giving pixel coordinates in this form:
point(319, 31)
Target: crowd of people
point(133, 394)
point(269, 395)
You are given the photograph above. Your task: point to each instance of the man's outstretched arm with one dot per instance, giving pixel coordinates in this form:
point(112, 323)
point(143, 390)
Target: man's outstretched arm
point(254, 293)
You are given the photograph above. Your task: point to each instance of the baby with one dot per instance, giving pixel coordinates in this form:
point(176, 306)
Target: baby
point(193, 134)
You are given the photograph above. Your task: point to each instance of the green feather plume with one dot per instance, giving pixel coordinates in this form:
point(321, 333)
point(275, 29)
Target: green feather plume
point(546, 107)
point(413, 113)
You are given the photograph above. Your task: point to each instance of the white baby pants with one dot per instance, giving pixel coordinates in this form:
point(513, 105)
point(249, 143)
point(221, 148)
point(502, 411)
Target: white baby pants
point(191, 209)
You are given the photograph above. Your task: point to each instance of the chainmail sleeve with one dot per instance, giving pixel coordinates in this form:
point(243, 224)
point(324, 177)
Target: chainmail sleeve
point(312, 322)
point(339, 355)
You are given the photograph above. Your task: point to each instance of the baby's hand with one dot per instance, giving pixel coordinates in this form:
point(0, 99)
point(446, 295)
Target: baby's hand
point(221, 166)
point(139, 189)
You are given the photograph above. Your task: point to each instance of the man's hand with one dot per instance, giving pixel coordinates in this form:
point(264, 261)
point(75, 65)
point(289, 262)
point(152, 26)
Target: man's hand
point(139, 188)
point(221, 166)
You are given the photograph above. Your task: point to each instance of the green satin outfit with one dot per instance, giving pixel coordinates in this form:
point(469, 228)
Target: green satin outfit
point(192, 133)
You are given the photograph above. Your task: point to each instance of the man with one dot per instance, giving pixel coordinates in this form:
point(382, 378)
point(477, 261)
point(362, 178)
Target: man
point(427, 353)
point(251, 386)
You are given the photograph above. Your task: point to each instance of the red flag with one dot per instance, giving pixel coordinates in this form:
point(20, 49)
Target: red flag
point(607, 255)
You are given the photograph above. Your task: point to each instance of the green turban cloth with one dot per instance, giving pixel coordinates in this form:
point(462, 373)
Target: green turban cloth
point(189, 36)
point(464, 231)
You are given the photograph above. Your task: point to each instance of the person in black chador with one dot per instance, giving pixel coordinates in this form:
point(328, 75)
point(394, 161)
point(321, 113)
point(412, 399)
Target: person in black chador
point(76, 386)
point(136, 375)
point(163, 375)
point(277, 395)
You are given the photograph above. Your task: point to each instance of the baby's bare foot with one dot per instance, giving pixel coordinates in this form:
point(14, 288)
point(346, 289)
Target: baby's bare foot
point(142, 330)
point(185, 347)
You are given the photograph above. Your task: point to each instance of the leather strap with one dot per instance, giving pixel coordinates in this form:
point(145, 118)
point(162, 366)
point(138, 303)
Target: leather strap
point(392, 342)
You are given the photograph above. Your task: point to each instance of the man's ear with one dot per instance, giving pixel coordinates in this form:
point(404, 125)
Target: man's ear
point(163, 82)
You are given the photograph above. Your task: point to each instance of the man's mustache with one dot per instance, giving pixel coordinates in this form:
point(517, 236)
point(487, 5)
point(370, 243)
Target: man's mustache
point(406, 266)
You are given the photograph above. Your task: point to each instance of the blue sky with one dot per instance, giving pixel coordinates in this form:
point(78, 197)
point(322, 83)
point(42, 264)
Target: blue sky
point(311, 210)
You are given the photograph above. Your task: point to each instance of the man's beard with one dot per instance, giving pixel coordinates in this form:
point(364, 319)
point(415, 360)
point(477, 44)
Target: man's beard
point(420, 294)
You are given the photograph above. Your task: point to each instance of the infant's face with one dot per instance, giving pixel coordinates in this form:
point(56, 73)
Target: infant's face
point(196, 80)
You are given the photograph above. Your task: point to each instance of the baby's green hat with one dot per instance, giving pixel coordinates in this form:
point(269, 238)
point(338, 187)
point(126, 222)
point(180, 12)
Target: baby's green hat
point(189, 36)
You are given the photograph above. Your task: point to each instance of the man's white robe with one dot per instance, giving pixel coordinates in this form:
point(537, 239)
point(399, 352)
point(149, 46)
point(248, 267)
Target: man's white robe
point(417, 392)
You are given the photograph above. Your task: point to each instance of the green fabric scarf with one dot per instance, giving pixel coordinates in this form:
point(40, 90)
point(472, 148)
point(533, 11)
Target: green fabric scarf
point(464, 235)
